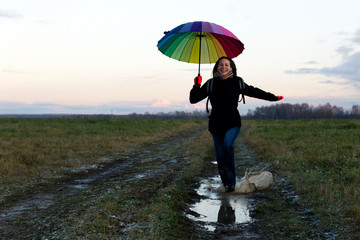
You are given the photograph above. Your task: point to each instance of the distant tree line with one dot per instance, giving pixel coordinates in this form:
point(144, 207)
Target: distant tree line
point(277, 111)
point(169, 115)
point(146, 115)
point(302, 111)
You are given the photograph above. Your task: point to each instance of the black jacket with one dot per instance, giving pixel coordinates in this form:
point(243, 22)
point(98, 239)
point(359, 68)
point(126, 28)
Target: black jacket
point(224, 99)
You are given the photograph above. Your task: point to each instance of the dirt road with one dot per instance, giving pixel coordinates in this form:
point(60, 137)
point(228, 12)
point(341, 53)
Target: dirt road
point(41, 215)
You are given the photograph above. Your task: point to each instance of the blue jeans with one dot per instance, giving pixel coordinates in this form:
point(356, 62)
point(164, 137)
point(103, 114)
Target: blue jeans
point(224, 150)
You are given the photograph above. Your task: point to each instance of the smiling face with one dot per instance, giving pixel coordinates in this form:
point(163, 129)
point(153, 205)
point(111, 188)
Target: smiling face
point(224, 67)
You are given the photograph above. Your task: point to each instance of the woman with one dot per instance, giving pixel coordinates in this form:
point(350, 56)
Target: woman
point(224, 120)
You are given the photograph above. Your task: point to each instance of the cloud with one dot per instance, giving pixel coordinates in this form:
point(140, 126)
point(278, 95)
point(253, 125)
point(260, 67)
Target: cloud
point(11, 71)
point(161, 103)
point(356, 38)
point(303, 71)
point(328, 82)
point(348, 69)
point(345, 50)
point(10, 14)
point(311, 62)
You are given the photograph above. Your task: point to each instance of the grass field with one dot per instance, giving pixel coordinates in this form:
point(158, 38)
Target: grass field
point(34, 151)
point(321, 158)
point(31, 146)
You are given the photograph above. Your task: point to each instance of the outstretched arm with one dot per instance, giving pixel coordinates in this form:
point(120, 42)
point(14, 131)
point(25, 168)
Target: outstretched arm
point(258, 93)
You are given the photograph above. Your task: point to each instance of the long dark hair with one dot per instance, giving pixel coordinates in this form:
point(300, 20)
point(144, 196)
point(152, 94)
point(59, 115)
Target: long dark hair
point(232, 65)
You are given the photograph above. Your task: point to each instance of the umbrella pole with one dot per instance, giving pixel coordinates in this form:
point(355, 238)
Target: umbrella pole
point(199, 55)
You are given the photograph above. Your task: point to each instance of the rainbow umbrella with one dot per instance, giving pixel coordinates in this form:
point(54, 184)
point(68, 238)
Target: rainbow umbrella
point(200, 42)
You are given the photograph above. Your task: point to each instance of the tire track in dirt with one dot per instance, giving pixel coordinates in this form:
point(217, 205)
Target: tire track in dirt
point(45, 211)
point(262, 224)
point(252, 228)
point(156, 159)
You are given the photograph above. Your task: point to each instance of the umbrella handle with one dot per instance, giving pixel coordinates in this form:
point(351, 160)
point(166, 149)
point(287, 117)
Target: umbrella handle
point(200, 36)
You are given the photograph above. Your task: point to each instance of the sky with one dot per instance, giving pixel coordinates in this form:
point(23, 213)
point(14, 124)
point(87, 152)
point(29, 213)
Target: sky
point(100, 56)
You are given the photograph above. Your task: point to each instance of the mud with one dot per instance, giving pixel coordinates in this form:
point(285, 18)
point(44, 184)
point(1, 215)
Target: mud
point(33, 204)
point(57, 202)
point(212, 215)
point(219, 215)
point(217, 206)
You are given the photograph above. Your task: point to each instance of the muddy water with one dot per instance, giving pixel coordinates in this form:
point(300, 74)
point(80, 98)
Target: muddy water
point(218, 206)
point(220, 215)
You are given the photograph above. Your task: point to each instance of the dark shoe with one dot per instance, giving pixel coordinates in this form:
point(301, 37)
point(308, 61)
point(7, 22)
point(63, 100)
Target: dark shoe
point(229, 188)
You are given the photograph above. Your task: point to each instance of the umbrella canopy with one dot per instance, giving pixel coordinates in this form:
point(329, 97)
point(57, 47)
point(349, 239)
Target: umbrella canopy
point(200, 42)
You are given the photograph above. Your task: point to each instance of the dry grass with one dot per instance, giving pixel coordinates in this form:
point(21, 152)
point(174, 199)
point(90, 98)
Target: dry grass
point(155, 212)
point(34, 148)
point(321, 159)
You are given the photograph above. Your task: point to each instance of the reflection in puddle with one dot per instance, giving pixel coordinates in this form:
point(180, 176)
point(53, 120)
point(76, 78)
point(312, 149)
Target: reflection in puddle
point(217, 206)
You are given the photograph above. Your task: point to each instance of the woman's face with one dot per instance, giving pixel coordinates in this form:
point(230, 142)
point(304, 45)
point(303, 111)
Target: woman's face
point(224, 67)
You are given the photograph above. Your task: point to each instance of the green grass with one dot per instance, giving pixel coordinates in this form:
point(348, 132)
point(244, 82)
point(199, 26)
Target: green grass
point(29, 146)
point(321, 158)
point(36, 150)
point(154, 212)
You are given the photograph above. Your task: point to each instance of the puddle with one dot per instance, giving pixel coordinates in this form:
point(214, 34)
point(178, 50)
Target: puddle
point(218, 206)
